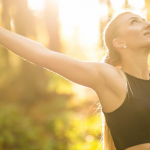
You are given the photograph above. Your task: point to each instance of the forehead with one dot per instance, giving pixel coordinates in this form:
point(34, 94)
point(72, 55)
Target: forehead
point(124, 22)
point(124, 19)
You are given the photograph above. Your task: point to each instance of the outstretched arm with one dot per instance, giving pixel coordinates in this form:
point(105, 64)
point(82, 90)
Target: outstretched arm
point(22, 46)
point(81, 72)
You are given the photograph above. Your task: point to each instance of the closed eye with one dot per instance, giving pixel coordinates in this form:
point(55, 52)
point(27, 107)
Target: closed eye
point(134, 20)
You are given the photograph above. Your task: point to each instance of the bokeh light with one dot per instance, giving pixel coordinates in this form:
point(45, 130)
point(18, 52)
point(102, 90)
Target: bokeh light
point(89, 138)
point(103, 9)
point(79, 21)
point(137, 4)
point(117, 4)
point(60, 111)
point(36, 4)
point(83, 15)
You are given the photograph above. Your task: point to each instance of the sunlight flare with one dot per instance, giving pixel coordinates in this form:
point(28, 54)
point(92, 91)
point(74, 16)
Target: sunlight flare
point(36, 4)
point(117, 4)
point(137, 4)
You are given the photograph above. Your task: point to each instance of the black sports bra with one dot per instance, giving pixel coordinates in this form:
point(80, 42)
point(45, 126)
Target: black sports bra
point(130, 123)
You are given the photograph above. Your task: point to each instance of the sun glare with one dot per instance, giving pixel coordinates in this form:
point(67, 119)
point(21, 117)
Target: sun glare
point(137, 4)
point(117, 4)
point(36, 4)
point(81, 14)
point(80, 21)
point(103, 9)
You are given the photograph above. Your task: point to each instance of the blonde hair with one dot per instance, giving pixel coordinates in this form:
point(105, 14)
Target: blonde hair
point(113, 58)
point(110, 32)
point(106, 138)
point(108, 143)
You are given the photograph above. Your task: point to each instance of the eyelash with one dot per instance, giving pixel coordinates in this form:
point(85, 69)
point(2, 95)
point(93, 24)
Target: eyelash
point(133, 21)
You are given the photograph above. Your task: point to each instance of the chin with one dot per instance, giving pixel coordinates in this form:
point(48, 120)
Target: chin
point(146, 44)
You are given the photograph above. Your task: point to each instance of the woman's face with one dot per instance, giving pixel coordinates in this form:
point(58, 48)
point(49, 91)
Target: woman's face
point(135, 31)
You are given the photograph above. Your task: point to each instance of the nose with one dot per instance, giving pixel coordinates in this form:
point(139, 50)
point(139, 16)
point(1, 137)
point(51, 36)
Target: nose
point(148, 25)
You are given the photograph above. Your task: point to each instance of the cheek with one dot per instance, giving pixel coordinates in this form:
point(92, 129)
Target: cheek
point(132, 35)
point(133, 32)
point(136, 40)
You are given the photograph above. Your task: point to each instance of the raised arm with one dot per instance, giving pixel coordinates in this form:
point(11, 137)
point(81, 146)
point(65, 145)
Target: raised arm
point(81, 72)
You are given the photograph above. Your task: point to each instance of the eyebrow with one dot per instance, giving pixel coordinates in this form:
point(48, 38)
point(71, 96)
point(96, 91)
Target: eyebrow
point(136, 18)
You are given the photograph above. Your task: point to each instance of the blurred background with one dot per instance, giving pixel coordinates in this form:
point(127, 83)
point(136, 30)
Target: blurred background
point(40, 110)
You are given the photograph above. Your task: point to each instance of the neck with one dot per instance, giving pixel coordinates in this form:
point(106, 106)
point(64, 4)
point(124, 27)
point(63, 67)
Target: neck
point(137, 65)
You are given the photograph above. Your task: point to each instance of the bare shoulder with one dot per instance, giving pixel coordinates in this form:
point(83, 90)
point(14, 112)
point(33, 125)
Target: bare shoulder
point(111, 91)
point(108, 76)
point(110, 79)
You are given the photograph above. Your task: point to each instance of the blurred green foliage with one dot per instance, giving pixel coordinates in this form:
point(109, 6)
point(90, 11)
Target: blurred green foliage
point(20, 132)
point(38, 108)
point(17, 131)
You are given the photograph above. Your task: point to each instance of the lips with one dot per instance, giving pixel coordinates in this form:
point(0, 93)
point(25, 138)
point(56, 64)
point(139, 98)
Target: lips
point(147, 33)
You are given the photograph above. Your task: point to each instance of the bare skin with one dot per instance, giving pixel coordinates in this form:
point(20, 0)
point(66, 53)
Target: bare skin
point(112, 98)
point(133, 35)
point(100, 77)
point(134, 61)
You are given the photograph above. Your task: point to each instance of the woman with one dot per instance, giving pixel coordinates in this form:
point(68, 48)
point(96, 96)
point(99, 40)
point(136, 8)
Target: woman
point(127, 111)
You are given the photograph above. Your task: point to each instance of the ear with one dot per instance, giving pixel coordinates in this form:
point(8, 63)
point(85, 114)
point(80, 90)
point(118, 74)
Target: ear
point(118, 43)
